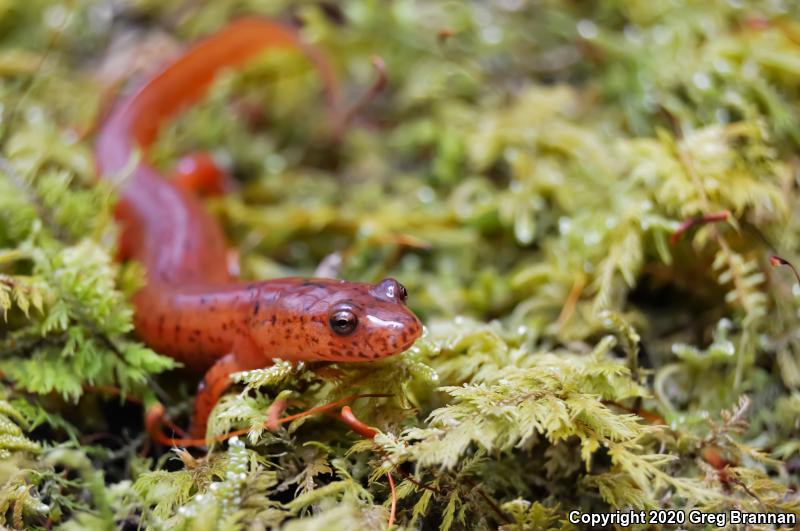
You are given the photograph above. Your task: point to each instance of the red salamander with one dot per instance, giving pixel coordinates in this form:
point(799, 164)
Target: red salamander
point(190, 307)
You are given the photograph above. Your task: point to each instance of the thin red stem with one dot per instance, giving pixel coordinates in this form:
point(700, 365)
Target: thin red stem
point(393, 512)
point(376, 88)
point(777, 261)
point(700, 220)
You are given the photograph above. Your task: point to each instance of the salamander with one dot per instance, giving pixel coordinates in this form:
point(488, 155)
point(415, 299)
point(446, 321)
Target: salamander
point(190, 307)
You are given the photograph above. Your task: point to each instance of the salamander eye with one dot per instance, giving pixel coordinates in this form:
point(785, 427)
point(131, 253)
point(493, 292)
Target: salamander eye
point(343, 322)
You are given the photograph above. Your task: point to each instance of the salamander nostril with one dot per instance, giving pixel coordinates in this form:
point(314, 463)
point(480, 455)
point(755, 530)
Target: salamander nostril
point(403, 292)
point(390, 290)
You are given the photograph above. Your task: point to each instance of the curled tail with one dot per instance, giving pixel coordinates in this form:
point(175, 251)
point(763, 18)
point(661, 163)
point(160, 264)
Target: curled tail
point(163, 226)
point(135, 122)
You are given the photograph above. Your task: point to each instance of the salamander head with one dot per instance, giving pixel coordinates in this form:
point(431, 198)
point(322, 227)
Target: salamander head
point(321, 319)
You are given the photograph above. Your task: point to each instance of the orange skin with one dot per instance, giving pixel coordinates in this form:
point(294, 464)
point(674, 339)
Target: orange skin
point(191, 308)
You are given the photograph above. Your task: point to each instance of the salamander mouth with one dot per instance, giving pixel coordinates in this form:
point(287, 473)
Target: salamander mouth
point(383, 348)
point(410, 343)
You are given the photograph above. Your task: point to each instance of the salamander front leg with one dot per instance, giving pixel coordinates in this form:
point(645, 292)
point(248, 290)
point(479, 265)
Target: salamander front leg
point(217, 380)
